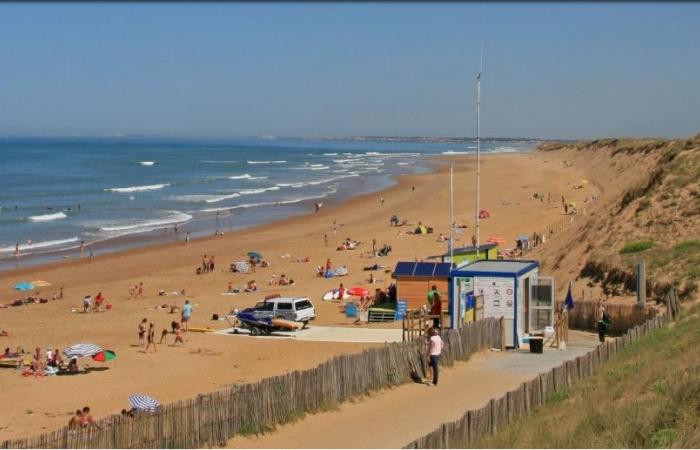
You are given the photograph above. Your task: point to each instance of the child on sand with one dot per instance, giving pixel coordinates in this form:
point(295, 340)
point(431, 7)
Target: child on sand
point(178, 337)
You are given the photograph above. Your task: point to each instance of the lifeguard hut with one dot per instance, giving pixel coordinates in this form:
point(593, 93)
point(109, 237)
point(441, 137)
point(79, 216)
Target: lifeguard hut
point(509, 289)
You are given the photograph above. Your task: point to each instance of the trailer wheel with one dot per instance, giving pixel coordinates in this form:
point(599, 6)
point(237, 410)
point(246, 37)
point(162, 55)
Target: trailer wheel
point(255, 331)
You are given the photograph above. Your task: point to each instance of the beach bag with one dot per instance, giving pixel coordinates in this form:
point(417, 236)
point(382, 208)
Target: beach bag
point(242, 266)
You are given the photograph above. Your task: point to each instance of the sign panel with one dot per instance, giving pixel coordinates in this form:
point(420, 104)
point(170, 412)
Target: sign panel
point(499, 296)
point(401, 307)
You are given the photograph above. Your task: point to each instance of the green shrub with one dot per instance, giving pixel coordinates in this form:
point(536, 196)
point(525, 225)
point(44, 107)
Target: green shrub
point(637, 246)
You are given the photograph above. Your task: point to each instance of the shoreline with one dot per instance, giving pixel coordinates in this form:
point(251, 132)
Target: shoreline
point(70, 257)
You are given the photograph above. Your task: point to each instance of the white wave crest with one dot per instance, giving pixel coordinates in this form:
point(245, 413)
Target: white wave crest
point(147, 163)
point(258, 191)
point(266, 162)
point(37, 245)
point(47, 217)
point(150, 187)
point(221, 198)
point(246, 176)
point(173, 218)
point(456, 152)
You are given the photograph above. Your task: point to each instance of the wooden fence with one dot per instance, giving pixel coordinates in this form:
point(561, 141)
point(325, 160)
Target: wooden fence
point(477, 424)
point(211, 419)
point(624, 316)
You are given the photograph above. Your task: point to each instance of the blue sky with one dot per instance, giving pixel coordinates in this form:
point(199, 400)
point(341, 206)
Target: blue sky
point(570, 70)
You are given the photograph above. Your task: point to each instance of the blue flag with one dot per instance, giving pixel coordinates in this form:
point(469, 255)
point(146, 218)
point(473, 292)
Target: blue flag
point(569, 302)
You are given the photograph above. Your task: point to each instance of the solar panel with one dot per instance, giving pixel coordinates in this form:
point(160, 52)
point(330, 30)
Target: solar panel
point(442, 270)
point(424, 269)
point(404, 269)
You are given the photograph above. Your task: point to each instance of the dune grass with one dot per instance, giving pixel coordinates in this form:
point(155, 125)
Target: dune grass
point(647, 397)
point(637, 246)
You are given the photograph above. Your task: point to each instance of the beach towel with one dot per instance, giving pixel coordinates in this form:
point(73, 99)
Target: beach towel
point(340, 272)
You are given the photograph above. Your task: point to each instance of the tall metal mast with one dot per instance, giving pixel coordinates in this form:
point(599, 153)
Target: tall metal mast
point(452, 220)
point(478, 148)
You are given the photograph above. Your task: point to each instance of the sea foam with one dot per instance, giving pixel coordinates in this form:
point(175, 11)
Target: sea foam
point(150, 187)
point(47, 217)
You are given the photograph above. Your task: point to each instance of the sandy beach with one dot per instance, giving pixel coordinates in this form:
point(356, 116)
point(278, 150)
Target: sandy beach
point(207, 362)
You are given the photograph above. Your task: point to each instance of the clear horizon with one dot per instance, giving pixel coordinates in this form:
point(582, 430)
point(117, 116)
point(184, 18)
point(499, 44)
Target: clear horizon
point(552, 71)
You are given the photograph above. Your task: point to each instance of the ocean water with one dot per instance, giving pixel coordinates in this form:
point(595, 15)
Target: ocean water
point(115, 193)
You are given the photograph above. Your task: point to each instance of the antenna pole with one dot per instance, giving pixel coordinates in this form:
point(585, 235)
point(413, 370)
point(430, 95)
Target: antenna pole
point(478, 149)
point(451, 213)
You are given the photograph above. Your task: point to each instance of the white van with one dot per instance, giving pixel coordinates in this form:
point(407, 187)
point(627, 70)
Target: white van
point(297, 309)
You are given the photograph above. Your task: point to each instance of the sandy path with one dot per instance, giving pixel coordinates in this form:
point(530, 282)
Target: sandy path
point(394, 417)
point(209, 363)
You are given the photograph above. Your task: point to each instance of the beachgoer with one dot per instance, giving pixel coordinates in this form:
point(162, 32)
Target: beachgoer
point(54, 296)
point(435, 346)
point(82, 248)
point(335, 227)
point(76, 420)
point(142, 332)
point(73, 365)
point(381, 201)
point(178, 337)
point(163, 335)
point(374, 247)
point(413, 189)
point(328, 265)
point(473, 240)
point(140, 289)
point(60, 293)
point(325, 240)
point(151, 338)
point(87, 418)
point(436, 308)
point(205, 266)
point(603, 324)
point(87, 303)
point(211, 264)
point(341, 291)
point(56, 360)
point(187, 238)
point(186, 314)
point(99, 299)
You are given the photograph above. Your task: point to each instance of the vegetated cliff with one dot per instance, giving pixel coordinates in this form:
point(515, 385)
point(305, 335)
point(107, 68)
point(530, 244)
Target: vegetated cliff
point(649, 209)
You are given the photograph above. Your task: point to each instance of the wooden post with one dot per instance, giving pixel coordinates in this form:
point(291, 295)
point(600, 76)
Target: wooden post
point(502, 325)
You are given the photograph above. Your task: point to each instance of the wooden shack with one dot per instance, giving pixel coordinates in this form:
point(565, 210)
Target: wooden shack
point(414, 280)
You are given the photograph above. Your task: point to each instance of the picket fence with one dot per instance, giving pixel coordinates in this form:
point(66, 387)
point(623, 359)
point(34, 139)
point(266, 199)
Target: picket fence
point(496, 414)
point(210, 420)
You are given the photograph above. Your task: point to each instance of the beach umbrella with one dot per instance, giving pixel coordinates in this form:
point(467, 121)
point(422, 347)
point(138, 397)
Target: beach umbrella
point(41, 283)
point(78, 350)
point(104, 356)
point(496, 240)
point(358, 292)
point(254, 255)
point(143, 402)
point(24, 286)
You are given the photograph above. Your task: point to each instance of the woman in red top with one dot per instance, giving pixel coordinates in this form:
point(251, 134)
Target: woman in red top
point(436, 309)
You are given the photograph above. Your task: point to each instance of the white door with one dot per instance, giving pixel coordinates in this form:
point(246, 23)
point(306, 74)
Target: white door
point(541, 307)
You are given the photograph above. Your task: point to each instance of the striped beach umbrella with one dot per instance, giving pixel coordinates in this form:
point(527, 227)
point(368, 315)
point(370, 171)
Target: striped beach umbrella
point(79, 350)
point(143, 402)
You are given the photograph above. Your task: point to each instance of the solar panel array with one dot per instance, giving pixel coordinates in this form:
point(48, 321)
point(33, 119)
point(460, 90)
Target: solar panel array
point(422, 269)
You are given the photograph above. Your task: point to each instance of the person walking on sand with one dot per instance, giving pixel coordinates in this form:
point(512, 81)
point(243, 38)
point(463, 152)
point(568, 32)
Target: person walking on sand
point(186, 314)
point(187, 238)
point(142, 332)
point(151, 338)
point(374, 247)
point(435, 346)
point(325, 240)
point(82, 248)
point(211, 264)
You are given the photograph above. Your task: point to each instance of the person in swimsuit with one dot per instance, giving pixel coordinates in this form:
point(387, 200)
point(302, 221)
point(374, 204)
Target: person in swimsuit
point(151, 338)
point(76, 420)
point(142, 332)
